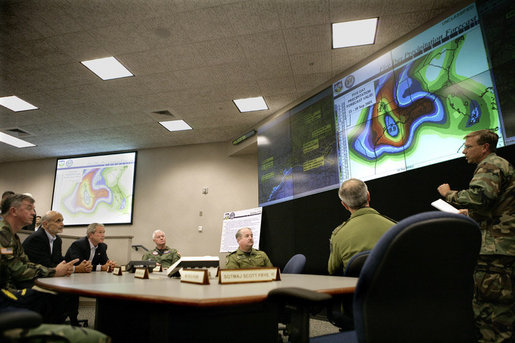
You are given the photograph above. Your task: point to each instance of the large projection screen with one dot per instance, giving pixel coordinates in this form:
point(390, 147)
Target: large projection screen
point(97, 188)
point(408, 108)
point(413, 106)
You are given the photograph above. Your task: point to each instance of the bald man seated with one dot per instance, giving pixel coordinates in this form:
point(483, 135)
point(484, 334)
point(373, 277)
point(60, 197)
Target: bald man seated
point(44, 246)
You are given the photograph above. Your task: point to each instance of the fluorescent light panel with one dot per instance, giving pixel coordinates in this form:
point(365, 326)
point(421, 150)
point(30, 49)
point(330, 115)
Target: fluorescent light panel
point(16, 104)
point(354, 33)
point(251, 104)
point(107, 68)
point(175, 125)
point(19, 143)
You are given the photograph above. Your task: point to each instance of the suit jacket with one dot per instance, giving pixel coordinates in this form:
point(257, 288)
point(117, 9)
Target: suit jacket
point(37, 248)
point(80, 249)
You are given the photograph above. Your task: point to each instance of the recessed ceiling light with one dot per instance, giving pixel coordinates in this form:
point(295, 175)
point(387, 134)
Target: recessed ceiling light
point(354, 33)
point(107, 68)
point(251, 104)
point(19, 143)
point(175, 125)
point(16, 104)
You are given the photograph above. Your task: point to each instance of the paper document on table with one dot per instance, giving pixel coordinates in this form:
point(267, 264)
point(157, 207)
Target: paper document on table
point(444, 206)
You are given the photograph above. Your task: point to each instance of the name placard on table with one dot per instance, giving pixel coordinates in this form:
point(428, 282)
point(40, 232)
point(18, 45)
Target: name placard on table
point(227, 276)
point(141, 273)
point(198, 276)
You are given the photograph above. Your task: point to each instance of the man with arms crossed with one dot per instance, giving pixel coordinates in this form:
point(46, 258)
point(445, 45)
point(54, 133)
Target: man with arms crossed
point(91, 248)
point(162, 254)
point(246, 256)
point(490, 201)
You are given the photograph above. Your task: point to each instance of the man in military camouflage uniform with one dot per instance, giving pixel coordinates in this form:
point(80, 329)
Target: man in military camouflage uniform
point(16, 271)
point(490, 200)
point(162, 254)
point(246, 256)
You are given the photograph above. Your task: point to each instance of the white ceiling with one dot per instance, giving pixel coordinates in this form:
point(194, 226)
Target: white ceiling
point(189, 57)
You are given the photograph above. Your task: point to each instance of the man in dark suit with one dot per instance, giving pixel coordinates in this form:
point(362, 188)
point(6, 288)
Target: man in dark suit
point(44, 246)
point(91, 248)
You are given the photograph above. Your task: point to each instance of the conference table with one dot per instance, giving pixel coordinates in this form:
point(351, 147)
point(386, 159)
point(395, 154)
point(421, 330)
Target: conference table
point(165, 309)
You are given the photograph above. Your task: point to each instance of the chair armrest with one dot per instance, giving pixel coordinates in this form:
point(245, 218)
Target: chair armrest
point(298, 296)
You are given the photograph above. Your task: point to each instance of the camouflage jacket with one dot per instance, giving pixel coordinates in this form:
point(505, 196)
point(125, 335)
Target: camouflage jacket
point(165, 257)
point(490, 200)
point(15, 266)
point(255, 259)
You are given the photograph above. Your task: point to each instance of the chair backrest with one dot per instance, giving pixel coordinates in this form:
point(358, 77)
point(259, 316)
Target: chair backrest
point(355, 264)
point(416, 285)
point(295, 265)
point(14, 318)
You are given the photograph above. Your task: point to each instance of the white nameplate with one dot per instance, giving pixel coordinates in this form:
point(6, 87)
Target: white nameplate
point(158, 268)
point(123, 268)
point(248, 275)
point(141, 273)
point(117, 271)
point(199, 276)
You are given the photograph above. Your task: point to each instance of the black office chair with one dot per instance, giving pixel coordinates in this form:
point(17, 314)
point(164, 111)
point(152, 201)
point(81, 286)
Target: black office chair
point(356, 263)
point(340, 313)
point(295, 265)
point(416, 285)
point(14, 318)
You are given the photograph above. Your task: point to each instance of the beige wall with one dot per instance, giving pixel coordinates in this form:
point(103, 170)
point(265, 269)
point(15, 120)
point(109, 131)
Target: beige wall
point(168, 194)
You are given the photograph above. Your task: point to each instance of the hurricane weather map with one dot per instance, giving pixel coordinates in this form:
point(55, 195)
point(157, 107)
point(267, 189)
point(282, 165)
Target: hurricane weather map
point(408, 108)
point(418, 113)
point(94, 193)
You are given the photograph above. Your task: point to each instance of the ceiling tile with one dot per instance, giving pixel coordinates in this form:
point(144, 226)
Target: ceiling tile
point(190, 57)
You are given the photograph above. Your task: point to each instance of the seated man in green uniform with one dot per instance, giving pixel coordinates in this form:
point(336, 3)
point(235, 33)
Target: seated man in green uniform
point(246, 256)
point(162, 254)
point(361, 231)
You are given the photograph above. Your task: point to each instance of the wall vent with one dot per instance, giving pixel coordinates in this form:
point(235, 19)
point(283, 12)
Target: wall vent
point(17, 132)
point(164, 113)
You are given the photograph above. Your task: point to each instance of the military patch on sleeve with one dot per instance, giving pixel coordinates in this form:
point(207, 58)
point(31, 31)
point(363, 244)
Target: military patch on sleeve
point(6, 251)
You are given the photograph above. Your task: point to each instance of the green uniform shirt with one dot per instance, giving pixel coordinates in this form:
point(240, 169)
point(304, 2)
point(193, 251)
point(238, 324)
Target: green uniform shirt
point(15, 266)
point(255, 259)
point(359, 233)
point(165, 257)
point(490, 200)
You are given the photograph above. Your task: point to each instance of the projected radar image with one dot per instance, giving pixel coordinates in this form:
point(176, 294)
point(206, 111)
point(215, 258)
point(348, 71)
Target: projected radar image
point(95, 189)
point(417, 113)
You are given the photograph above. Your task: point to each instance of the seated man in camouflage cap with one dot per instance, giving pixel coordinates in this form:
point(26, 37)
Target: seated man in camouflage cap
point(162, 254)
point(246, 256)
point(17, 272)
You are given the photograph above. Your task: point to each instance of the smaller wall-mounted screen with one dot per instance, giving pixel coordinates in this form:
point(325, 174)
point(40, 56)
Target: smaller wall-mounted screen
point(97, 188)
point(297, 152)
